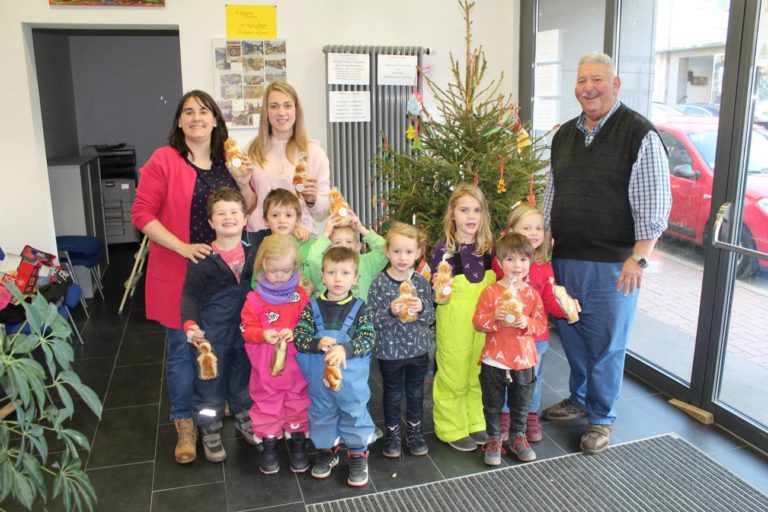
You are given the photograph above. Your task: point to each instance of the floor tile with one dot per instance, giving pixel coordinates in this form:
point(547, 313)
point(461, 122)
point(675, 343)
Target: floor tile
point(95, 372)
point(248, 488)
point(105, 343)
point(452, 463)
point(113, 493)
point(134, 385)
point(169, 474)
point(138, 323)
point(405, 471)
point(566, 434)
point(547, 448)
point(141, 348)
point(210, 497)
point(124, 436)
point(334, 487)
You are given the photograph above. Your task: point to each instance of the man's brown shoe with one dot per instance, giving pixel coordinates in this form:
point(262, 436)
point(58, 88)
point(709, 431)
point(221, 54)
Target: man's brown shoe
point(562, 411)
point(596, 438)
point(186, 444)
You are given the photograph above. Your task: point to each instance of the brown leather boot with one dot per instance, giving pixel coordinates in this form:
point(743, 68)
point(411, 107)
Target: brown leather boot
point(186, 445)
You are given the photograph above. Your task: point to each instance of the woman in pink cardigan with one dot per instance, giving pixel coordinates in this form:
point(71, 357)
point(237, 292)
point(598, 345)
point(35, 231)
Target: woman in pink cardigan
point(170, 209)
point(276, 151)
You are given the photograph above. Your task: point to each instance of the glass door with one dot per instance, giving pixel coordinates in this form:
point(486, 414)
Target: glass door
point(741, 234)
point(670, 63)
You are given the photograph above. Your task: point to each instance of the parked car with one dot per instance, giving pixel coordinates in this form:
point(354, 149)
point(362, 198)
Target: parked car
point(699, 109)
point(691, 144)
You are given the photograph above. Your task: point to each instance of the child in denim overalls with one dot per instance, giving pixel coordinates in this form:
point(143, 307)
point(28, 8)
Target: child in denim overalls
point(336, 330)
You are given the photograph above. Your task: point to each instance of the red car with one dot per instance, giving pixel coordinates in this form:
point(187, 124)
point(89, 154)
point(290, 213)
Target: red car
point(691, 143)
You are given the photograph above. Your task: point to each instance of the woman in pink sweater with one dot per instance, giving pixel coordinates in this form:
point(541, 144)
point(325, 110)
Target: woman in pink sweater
point(280, 146)
point(170, 209)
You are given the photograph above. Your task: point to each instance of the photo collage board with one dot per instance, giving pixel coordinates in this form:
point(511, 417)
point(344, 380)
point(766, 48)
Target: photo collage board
point(242, 69)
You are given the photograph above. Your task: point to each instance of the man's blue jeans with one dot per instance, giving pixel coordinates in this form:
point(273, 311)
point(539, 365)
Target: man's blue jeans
point(595, 345)
point(179, 373)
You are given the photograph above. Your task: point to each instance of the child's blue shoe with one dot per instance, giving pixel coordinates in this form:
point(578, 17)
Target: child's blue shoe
point(325, 462)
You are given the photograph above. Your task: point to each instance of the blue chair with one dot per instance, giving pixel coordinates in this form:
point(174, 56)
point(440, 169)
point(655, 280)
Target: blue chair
point(85, 251)
point(71, 299)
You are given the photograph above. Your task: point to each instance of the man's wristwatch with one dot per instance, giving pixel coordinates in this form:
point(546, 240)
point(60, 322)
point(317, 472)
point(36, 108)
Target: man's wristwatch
point(641, 262)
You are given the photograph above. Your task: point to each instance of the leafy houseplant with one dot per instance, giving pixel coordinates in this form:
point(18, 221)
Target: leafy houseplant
point(479, 138)
point(28, 412)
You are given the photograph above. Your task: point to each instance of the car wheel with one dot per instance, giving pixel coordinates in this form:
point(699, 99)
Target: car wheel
point(746, 266)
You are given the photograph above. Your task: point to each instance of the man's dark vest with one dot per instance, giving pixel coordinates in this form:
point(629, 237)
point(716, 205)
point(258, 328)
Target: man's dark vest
point(591, 215)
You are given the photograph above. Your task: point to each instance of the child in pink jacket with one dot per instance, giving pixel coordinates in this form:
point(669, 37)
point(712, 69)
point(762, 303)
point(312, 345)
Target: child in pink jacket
point(271, 311)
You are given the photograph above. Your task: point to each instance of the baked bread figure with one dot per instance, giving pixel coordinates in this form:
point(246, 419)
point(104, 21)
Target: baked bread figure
point(332, 378)
point(569, 305)
point(406, 313)
point(234, 157)
point(339, 207)
point(442, 283)
point(206, 362)
point(510, 303)
point(300, 176)
point(278, 358)
point(307, 284)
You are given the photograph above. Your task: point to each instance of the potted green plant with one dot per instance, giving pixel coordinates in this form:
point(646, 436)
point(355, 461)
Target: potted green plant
point(36, 385)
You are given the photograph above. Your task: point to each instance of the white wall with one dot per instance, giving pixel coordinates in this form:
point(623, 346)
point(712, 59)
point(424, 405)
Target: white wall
point(307, 25)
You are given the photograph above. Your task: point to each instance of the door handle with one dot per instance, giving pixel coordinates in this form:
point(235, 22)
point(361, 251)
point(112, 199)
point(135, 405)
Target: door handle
point(724, 215)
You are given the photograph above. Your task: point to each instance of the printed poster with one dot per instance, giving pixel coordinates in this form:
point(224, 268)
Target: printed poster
point(242, 69)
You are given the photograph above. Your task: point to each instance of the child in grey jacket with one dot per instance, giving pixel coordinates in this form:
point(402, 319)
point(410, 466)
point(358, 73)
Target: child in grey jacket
point(404, 312)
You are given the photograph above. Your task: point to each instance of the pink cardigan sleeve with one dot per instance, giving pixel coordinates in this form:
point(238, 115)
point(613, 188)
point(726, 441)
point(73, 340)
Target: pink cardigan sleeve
point(151, 193)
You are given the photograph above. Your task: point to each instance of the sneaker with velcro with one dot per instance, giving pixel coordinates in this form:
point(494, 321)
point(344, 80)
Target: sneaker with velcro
point(214, 450)
point(358, 468)
point(326, 460)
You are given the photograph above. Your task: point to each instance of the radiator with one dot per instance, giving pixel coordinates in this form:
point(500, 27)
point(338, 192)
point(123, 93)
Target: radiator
point(352, 147)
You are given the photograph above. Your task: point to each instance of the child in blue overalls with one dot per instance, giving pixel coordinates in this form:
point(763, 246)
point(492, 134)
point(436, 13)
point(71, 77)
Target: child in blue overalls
point(336, 330)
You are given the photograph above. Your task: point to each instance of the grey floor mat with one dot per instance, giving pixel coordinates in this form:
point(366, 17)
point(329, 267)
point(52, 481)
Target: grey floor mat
point(663, 473)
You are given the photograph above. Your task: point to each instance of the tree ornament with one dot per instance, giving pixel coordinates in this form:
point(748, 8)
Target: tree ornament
point(531, 193)
point(523, 139)
point(410, 133)
point(502, 185)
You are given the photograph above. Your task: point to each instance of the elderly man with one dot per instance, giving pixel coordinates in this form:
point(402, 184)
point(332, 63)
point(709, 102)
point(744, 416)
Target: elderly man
point(607, 201)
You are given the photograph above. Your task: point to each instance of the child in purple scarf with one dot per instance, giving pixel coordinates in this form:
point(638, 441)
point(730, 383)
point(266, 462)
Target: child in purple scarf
point(271, 311)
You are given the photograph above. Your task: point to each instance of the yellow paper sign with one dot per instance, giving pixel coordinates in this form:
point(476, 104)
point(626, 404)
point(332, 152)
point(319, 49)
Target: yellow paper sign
point(251, 21)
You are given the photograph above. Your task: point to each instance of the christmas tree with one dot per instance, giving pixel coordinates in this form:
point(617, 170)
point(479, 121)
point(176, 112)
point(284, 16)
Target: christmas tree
point(479, 139)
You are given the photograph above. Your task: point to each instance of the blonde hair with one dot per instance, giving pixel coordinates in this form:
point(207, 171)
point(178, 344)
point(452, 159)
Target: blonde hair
point(407, 231)
point(276, 247)
point(518, 213)
point(298, 143)
point(483, 237)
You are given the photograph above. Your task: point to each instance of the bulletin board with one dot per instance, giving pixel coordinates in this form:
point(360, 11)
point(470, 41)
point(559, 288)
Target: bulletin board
point(242, 69)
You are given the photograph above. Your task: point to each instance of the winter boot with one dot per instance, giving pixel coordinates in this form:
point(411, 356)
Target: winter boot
point(533, 428)
point(415, 441)
point(186, 444)
point(268, 461)
point(298, 451)
point(392, 442)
